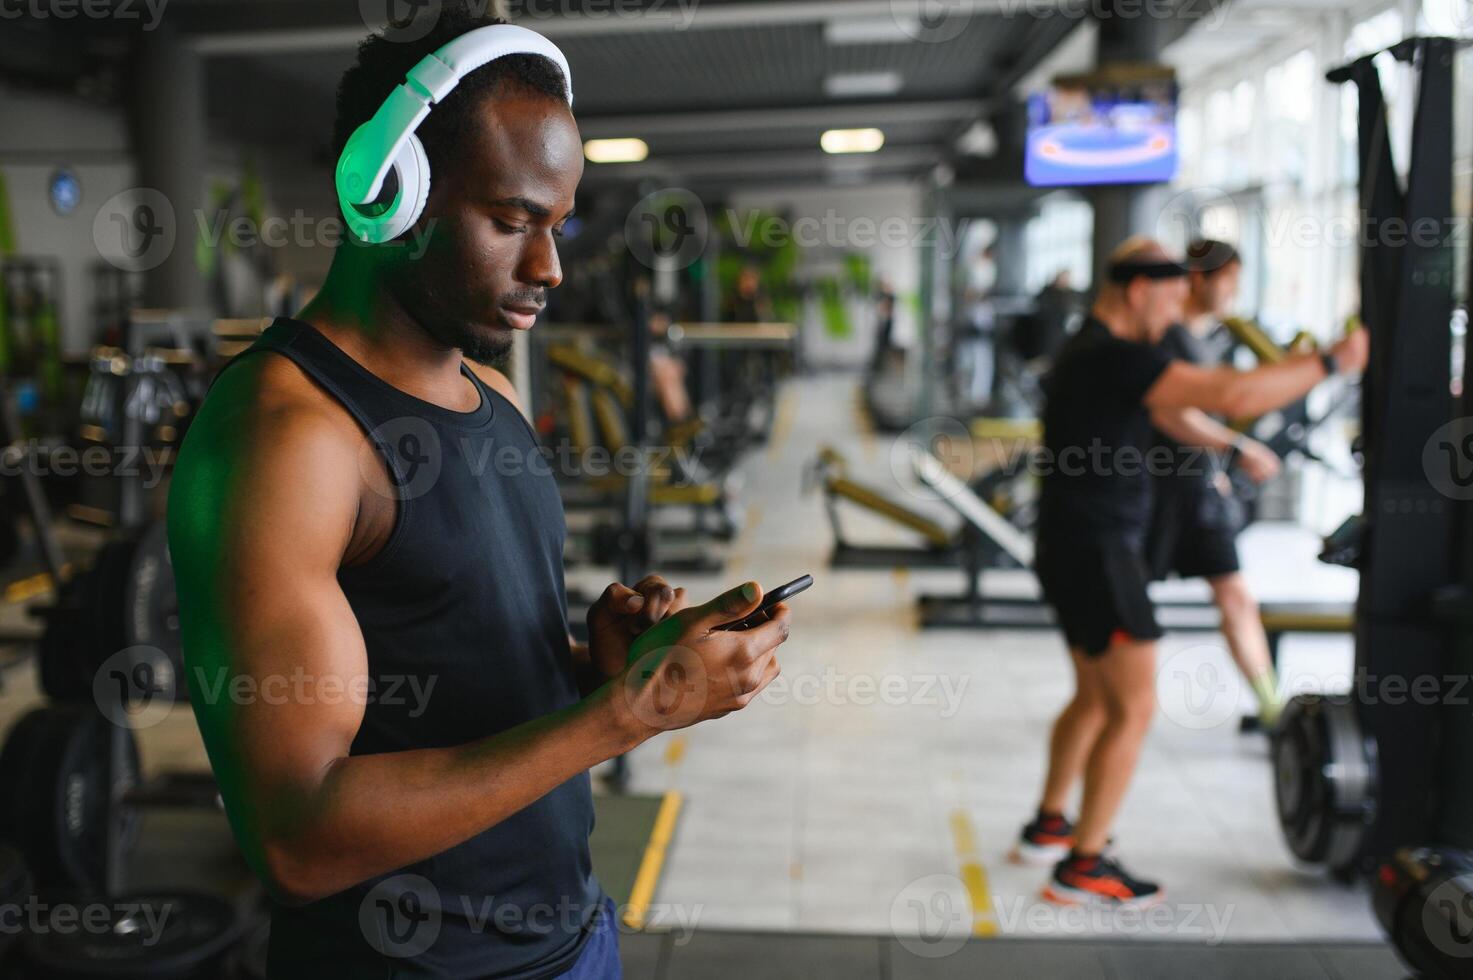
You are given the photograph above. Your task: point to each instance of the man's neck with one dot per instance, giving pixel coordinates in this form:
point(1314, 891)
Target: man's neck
point(354, 311)
point(1197, 318)
point(1115, 321)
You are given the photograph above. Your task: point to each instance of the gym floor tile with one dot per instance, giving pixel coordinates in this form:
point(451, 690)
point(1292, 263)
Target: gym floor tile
point(642, 954)
point(1001, 959)
point(1361, 963)
point(727, 956)
point(1172, 962)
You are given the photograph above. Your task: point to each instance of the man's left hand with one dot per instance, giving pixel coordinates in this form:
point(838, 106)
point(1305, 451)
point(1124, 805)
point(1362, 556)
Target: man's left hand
point(622, 613)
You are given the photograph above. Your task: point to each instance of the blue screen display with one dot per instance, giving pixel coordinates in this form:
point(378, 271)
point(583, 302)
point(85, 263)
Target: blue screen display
point(1078, 136)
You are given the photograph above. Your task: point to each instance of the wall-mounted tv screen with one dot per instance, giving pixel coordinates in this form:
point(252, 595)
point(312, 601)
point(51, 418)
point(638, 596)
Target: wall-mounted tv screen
point(1103, 130)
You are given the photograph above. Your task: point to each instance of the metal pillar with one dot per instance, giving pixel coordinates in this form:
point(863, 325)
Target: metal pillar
point(169, 134)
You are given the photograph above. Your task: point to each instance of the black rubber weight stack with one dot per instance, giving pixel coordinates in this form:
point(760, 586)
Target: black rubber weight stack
point(15, 888)
point(1424, 899)
point(126, 599)
point(1325, 779)
point(55, 803)
point(178, 936)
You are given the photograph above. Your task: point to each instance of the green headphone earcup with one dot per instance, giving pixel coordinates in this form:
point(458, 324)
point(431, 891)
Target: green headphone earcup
point(401, 199)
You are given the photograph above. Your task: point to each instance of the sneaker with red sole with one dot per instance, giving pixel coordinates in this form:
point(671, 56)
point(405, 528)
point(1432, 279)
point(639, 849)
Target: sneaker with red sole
point(1044, 841)
point(1098, 880)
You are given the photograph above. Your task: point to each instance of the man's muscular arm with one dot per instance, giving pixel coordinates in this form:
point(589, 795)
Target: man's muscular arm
point(262, 511)
point(263, 508)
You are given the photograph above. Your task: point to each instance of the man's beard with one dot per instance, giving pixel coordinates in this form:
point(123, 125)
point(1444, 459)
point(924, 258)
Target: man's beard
point(490, 349)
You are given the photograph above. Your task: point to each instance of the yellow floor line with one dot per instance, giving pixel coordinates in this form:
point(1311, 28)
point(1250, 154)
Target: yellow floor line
point(675, 751)
point(973, 874)
point(652, 862)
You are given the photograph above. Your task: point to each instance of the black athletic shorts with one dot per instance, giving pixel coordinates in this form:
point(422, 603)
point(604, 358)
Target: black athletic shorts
point(1097, 588)
point(1194, 532)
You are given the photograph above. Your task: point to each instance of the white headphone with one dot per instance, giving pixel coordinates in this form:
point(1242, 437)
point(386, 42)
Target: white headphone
point(387, 141)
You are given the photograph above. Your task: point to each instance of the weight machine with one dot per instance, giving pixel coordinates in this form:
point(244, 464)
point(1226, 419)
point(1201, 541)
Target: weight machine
point(1377, 781)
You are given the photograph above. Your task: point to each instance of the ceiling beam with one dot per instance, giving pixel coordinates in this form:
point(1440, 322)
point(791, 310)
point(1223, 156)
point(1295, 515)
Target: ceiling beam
point(775, 163)
point(277, 27)
point(824, 116)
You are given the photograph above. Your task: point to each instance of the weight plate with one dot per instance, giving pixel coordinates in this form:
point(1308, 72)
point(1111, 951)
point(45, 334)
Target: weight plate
point(1424, 899)
point(64, 657)
point(126, 599)
point(1323, 779)
point(151, 606)
point(15, 886)
point(158, 937)
point(55, 767)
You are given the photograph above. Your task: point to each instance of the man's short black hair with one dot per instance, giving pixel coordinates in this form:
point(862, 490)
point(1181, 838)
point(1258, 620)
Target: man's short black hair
point(384, 60)
point(1210, 256)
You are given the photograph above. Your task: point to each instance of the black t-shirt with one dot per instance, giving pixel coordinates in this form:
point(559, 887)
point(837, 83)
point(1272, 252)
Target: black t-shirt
point(1098, 435)
point(1193, 469)
point(463, 614)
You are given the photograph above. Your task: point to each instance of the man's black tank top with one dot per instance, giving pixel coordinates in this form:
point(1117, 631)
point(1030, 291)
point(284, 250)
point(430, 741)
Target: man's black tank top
point(464, 616)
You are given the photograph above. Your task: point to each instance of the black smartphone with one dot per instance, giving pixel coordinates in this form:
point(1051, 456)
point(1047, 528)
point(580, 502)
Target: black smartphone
point(758, 616)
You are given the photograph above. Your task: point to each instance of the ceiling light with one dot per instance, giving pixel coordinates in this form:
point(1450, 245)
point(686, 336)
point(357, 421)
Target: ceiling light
point(616, 151)
point(872, 30)
point(862, 83)
point(979, 140)
point(852, 140)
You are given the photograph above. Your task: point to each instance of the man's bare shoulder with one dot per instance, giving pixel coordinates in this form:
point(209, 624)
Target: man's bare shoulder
point(266, 428)
point(267, 399)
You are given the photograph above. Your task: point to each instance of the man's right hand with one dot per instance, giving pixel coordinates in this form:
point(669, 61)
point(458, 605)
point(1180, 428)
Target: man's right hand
point(682, 671)
point(1259, 462)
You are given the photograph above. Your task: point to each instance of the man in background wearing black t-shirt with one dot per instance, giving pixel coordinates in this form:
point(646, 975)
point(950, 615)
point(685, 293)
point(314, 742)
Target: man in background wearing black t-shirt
point(1094, 512)
point(1195, 525)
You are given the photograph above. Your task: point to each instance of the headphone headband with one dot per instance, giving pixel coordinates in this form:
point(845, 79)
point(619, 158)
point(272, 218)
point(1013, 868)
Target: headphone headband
point(1124, 272)
point(387, 140)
